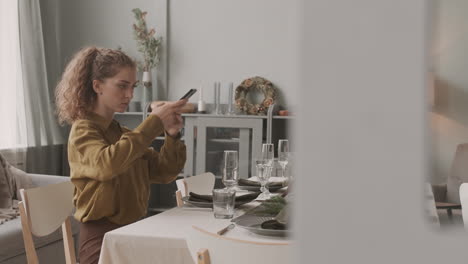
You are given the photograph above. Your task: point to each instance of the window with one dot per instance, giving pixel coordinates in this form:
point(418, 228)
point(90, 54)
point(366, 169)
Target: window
point(11, 87)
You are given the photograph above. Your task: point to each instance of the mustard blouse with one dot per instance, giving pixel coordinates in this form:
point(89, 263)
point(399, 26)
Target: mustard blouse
point(112, 167)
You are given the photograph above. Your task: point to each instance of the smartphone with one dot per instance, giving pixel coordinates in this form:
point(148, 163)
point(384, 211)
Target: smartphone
point(189, 94)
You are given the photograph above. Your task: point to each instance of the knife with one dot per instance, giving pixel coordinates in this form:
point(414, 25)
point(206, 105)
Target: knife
point(224, 230)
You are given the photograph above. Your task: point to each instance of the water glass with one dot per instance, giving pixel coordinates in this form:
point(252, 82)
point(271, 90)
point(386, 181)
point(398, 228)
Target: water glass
point(223, 203)
point(283, 154)
point(231, 167)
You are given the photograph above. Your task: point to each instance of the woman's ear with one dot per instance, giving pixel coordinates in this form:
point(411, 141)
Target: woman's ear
point(97, 86)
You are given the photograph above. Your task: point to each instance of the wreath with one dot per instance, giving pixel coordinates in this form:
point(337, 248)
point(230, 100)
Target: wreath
point(255, 84)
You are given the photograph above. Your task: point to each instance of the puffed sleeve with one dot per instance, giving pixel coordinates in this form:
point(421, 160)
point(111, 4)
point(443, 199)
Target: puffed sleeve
point(164, 166)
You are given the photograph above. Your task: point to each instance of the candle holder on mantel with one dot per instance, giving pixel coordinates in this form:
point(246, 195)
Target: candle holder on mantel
point(148, 87)
point(201, 103)
point(230, 110)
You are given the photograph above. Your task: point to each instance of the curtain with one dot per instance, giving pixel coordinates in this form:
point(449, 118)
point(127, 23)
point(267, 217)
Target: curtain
point(10, 74)
point(46, 150)
point(12, 132)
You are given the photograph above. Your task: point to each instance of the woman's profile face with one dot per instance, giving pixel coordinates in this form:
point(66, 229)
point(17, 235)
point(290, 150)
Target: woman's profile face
point(115, 93)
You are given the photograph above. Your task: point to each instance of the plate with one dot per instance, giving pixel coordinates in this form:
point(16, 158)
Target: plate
point(210, 204)
point(253, 224)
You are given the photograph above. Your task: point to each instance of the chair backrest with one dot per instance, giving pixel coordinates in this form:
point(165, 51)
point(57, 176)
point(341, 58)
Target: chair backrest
point(43, 210)
point(200, 184)
point(206, 247)
point(181, 186)
point(178, 195)
point(458, 173)
point(464, 203)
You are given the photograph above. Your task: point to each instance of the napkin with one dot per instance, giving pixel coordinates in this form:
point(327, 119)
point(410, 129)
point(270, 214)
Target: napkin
point(245, 182)
point(273, 224)
point(280, 222)
point(209, 198)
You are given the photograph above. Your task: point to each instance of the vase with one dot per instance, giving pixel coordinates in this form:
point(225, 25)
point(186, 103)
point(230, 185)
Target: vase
point(147, 88)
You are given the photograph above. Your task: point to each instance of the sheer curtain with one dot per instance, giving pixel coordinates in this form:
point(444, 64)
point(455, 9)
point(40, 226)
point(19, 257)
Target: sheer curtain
point(42, 128)
point(30, 129)
point(12, 115)
point(46, 145)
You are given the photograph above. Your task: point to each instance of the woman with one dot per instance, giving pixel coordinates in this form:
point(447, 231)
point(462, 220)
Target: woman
point(112, 166)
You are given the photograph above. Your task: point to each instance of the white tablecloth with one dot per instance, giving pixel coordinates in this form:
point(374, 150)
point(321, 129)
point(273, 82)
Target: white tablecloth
point(161, 238)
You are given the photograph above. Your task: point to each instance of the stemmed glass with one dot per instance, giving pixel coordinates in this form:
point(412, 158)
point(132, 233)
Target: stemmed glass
point(263, 174)
point(230, 171)
point(291, 164)
point(264, 168)
point(268, 153)
point(283, 154)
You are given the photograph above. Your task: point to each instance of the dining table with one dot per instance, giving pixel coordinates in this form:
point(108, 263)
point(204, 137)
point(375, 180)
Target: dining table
point(161, 238)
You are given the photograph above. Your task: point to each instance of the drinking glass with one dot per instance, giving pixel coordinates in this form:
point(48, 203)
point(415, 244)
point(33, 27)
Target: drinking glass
point(267, 156)
point(263, 174)
point(283, 154)
point(230, 170)
point(292, 167)
point(223, 203)
point(268, 153)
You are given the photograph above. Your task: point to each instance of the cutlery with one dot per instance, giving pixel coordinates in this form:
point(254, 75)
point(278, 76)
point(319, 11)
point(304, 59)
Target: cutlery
point(224, 230)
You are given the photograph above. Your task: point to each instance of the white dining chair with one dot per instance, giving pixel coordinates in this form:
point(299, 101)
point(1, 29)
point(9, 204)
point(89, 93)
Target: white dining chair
point(209, 248)
point(43, 210)
point(464, 203)
point(200, 184)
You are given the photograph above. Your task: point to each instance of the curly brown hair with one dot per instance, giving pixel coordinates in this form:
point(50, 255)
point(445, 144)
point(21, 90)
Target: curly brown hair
point(74, 94)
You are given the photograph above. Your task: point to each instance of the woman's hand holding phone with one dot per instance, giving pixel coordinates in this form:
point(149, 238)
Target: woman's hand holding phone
point(169, 113)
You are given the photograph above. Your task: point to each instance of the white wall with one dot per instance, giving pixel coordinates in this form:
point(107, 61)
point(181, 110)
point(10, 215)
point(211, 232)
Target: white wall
point(450, 65)
point(212, 40)
point(70, 25)
point(208, 40)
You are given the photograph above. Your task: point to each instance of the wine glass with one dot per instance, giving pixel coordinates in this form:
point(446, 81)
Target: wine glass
point(263, 174)
point(292, 166)
point(230, 171)
point(283, 154)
